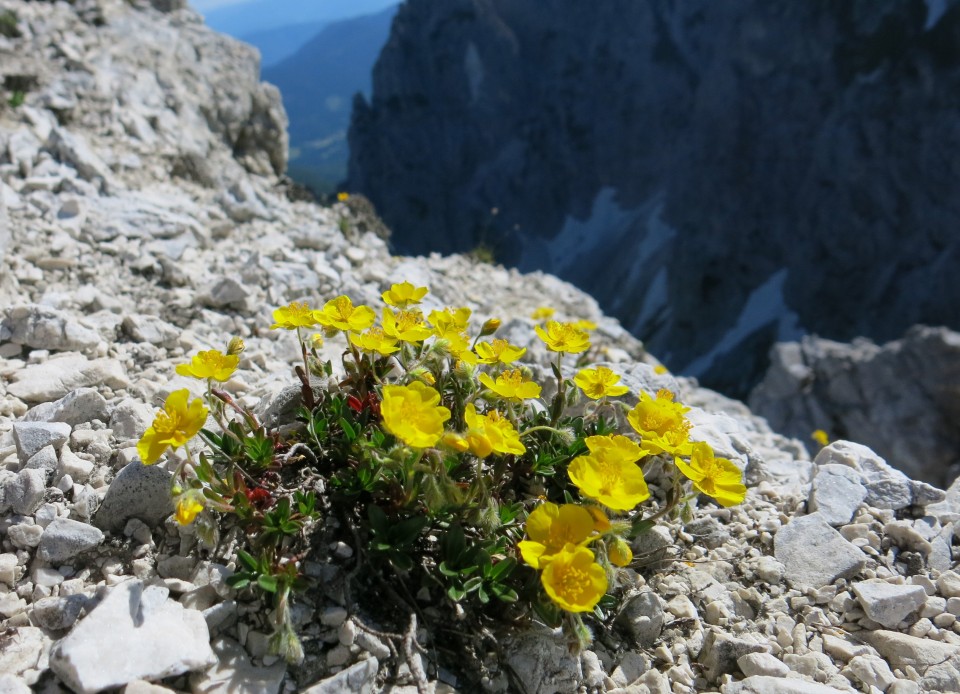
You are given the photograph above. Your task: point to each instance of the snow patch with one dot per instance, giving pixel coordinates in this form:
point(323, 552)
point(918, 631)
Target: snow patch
point(764, 306)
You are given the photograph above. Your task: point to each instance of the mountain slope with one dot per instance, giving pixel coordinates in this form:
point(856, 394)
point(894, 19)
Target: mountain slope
point(262, 15)
point(318, 84)
point(693, 165)
point(275, 45)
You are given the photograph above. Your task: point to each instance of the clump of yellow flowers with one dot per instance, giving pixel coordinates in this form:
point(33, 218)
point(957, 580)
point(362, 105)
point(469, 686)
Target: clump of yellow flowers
point(443, 466)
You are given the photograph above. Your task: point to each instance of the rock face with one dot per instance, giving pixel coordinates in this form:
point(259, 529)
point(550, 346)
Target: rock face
point(689, 164)
point(900, 399)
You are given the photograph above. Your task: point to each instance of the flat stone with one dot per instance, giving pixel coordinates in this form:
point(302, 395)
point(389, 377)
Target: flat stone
point(134, 633)
point(763, 684)
point(902, 650)
point(8, 569)
point(886, 486)
point(73, 465)
point(871, 670)
point(31, 437)
point(762, 664)
point(234, 673)
point(836, 493)
point(138, 491)
point(225, 292)
point(55, 378)
point(359, 678)
point(64, 539)
point(76, 407)
point(43, 327)
point(815, 554)
point(888, 603)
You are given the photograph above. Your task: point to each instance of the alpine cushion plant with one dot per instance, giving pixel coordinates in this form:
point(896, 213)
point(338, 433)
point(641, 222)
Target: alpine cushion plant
point(430, 452)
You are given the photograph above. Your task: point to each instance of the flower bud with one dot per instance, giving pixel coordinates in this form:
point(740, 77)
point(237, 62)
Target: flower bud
point(491, 326)
point(619, 552)
point(235, 346)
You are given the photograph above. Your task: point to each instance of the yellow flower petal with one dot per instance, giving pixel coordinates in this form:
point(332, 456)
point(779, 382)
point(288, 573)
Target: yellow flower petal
point(573, 580)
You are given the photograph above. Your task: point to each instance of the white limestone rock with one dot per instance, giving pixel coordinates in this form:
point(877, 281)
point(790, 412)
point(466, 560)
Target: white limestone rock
point(836, 493)
point(134, 633)
point(64, 539)
point(77, 407)
point(138, 491)
point(889, 603)
point(814, 553)
point(55, 378)
point(42, 327)
point(235, 673)
point(31, 437)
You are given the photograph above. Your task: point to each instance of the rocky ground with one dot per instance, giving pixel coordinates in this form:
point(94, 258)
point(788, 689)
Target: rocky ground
point(142, 219)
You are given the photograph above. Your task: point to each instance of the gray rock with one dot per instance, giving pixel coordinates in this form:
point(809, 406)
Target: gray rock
point(56, 378)
point(10, 684)
point(721, 651)
point(836, 493)
point(77, 407)
point(134, 633)
point(815, 554)
point(73, 465)
point(753, 664)
point(64, 539)
point(74, 150)
point(130, 418)
point(44, 459)
point(24, 492)
point(138, 491)
point(896, 398)
point(235, 673)
point(763, 684)
point(888, 603)
point(360, 678)
point(937, 663)
point(143, 328)
point(42, 327)
point(57, 614)
point(886, 486)
point(641, 617)
point(224, 293)
point(542, 662)
point(30, 437)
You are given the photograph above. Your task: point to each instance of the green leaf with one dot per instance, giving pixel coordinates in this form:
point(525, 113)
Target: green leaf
point(640, 527)
point(405, 532)
point(453, 543)
point(401, 561)
point(446, 570)
point(456, 593)
point(378, 519)
point(502, 569)
point(238, 581)
point(504, 593)
point(473, 584)
point(248, 561)
point(267, 583)
point(348, 430)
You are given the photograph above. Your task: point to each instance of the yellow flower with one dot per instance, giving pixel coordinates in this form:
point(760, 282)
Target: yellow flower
point(455, 441)
point(296, 315)
point(573, 580)
point(499, 352)
point(413, 414)
point(511, 385)
point(375, 340)
point(598, 383)
point(188, 506)
point(449, 320)
point(406, 326)
point(174, 425)
point(235, 346)
point(660, 369)
point(661, 423)
point(404, 294)
point(458, 345)
point(821, 437)
point(491, 433)
point(316, 340)
point(563, 337)
point(716, 477)
point(211, 363)
point(619, 552)
point(340, 314)
point(550, 528)
point(609, 474)
point(542, 313)
point(343, 196)
point(490, 326)
point(585, 325)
